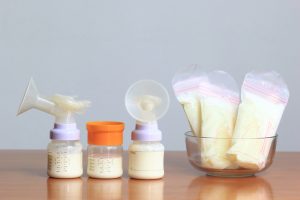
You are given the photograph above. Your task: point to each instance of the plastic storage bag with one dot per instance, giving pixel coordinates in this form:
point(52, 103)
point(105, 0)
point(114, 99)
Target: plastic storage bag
point(264, 98)
point(219, 103)
point(210, 101)
point(185, 84)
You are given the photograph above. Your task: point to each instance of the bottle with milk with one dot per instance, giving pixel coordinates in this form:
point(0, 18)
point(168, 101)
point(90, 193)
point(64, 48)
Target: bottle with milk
point(146, 101)
point(65, 149)
point(105, 149)
point(65, 152)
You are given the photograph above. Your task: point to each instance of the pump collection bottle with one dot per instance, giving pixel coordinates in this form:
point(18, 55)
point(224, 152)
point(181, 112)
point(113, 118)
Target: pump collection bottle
point(146, 101)
point(146, 153)
point(65, 152)
point(65, 149)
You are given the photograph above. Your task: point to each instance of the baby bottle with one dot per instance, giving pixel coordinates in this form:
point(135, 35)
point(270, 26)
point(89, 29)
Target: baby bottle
point(146, 101)
point(65, 150)
point(105, 149)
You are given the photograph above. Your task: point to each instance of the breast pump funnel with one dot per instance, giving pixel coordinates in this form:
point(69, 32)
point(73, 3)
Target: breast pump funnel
point(32, 99)
point(146, 101)
point(61, 107)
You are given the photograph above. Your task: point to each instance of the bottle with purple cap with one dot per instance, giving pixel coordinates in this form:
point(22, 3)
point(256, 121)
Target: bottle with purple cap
point(146, 101)
point(65, 149)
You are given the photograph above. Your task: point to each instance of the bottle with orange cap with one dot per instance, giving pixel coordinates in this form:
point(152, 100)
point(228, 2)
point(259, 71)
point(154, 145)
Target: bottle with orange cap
point(105, 149)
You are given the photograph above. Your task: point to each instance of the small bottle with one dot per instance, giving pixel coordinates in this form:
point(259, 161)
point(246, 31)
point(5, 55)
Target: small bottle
point(105, 149)
point(146, 101)
point(146, 153)
point(65, 152)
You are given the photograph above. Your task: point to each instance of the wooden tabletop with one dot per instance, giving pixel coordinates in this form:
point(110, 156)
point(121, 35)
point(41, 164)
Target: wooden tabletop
point(23, 176)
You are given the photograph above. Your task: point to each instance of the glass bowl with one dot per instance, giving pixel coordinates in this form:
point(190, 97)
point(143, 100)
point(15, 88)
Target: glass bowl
point(230, 157)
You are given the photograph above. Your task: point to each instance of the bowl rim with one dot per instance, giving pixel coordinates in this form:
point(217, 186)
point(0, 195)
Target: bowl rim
point(190, 134)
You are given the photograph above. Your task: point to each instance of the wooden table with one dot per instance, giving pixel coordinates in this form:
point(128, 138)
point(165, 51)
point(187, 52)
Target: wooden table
point(23, 176)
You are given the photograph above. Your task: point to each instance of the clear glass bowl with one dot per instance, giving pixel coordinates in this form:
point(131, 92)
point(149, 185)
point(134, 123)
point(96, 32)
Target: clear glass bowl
point(210, 155)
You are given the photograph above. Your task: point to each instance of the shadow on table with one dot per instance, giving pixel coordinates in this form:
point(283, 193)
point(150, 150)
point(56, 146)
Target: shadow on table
point(211, 188)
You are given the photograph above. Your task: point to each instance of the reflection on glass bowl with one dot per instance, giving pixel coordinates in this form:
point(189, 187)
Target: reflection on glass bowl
point(208, 188)
point(198, 149)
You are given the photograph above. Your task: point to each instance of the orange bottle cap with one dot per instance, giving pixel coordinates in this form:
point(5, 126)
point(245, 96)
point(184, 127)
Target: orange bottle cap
point(105, 133)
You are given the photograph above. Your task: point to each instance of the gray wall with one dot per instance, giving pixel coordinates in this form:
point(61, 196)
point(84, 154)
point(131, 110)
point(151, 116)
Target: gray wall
point(96, 49)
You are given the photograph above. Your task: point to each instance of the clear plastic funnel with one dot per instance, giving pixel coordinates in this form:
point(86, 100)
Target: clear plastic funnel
point(147, 100)
point(32, 99)
point(61, 106)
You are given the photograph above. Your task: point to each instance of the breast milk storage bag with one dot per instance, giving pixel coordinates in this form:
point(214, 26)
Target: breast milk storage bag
point(210, 101)
point(186, 85)
point(264, 98)
point(219, 103)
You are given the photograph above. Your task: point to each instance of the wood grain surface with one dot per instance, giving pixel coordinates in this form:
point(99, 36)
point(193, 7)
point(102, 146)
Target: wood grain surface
point(23, 176)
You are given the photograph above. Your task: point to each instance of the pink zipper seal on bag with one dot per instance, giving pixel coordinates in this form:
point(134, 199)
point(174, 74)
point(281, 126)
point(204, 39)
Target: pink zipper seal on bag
point(188, 85)
point(207, 89)
point(269, 94)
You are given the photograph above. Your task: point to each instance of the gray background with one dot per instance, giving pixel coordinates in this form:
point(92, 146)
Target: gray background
point(96, 49)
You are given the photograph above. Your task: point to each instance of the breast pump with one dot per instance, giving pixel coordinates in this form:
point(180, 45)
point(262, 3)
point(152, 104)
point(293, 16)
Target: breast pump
point(146, 101)
point(65, 149)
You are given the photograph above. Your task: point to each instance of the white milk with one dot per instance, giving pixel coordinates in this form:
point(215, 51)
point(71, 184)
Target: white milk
point(210, 103)
point(64, 165)
point(146, 165)
point(146, 160)
point(218, 120)
point(257, 118)
point(192, 108)
point(104, 167)
point(187, 94)
point(264, 97)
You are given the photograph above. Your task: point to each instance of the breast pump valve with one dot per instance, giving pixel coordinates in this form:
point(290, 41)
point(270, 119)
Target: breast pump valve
point(146, 101)
point(65, 150)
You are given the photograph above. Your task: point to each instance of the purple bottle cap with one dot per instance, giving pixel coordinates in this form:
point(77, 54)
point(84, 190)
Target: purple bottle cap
point(65, 132)
point(146, 132)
